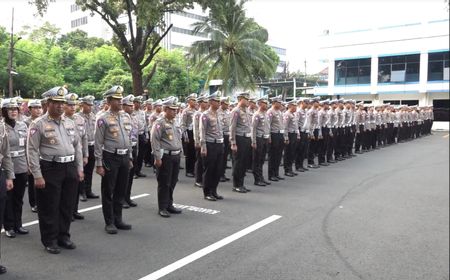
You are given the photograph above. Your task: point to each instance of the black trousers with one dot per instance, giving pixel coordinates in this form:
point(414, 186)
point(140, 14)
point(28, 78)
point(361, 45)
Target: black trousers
point(31, 191)
point(85, 186)
point(323, 144)
point(359, 141)
point(275, 153)
point(313, 147)
point(244, 147)
point(289, 152)
point(340, 140)
point(2, 201)
point(14, 203)
point(142, 151)
point(189, 152)
point(113, 185)
point(302, 150)
point(348, 146)
point(331, 144)
point(55, 201)
point(213, 167)
point(148, 157)
point(259, 157)
point(127, 196)
point(226, 153)
point(167, 176)
point(199, 166)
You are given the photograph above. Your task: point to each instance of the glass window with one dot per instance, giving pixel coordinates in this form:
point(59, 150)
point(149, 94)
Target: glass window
point(399, 68)
point(438, 66)
point(352, 71)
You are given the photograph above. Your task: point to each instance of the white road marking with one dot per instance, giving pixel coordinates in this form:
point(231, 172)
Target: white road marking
point(211, 248)
point(83, 210)
point(445, 136)
point(197, 209)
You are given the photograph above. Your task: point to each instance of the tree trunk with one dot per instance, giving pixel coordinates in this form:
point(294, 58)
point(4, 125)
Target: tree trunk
point(136, 74)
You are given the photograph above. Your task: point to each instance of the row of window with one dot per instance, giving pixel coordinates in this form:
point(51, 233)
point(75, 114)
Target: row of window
point(189, 32)
point(78, 22)
point(190, 15)
point(74, 8)
point(279, 51)
point(392, 69)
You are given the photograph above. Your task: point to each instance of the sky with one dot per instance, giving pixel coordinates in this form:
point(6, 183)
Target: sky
point(292, 24)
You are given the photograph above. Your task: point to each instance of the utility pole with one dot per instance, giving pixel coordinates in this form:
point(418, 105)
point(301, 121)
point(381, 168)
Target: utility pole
point(10, 56)
point(305, 84)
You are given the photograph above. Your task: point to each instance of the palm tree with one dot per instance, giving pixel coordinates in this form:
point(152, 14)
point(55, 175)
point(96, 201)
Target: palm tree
point(236, 46)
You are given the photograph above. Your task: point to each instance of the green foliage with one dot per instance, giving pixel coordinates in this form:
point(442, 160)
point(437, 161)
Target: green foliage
point(79, 39)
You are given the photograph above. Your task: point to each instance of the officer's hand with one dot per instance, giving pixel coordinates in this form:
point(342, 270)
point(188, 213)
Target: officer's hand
point(9, 184)
point(234, 147)
point(100, 171)
point(85, 161)
point(158, 163)
point(203, 152)
point(39, 183)
point(254, 146)
point(81, 175)
point(286, 142)
point(131, 164)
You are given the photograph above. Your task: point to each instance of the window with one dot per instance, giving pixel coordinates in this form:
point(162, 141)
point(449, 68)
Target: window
point(410, 102)
point(438, 69)
point(399, 69)
point(392, 102)
point(441, 110)
point(74, 8)
point(279, 51)
point(353, 71)
point(78, 22)
point(190, 15)
point(189, 32)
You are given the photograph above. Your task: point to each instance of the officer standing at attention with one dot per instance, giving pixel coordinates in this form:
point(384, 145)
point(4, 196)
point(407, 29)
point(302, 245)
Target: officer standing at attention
point(187, 128)
point(89, 118)
point(211, 141)
point(224, 116)
point(69, 112)
point(302, 147)
point(199, 165)
point(143, 133)
point(127, 106)
point(240, 139)
point(291, 137)
point(166, 143)
point(16, 132)
point(6, 176)
point(35, 108)
point(113, 158)
point(56, 162)
point(260, 141)
point(276, 138)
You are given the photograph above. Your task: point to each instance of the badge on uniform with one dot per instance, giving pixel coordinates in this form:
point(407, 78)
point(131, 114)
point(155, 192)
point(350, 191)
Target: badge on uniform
point(100, 122)
point(33, 131)
point(170, 136)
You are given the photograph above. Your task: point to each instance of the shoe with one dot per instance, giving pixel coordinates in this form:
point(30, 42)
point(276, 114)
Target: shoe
point(352, 155)
point(136, 177)
point(249, 171)
point(300, 169)
point(10, 233)
point(83, 197)
point(21, 230)
point(92, 195)
point(295, 173)
point(267, 183)
point(274, 179)
point(52, 249)
point(246, 189)
point(331, 161)
point(142, 174)
point(324, 164)
point(280, 178)
point(198, 185)
point(122, 225)
point(125, 205)
point(289, 174)
point(164, 213)
point(148, 165)
point(210, 198)
point(67, 244)
point(314, 166)
point(239, 190)
point(260, 184)
point(78, 216)
point(181, 168)
point(359, 152)
point(173, 210)
point(111, 229)
point(34, 209)
point(190, 175)
point(131, 203)
point(2, 269)
point(218, 197)
point(222, 179)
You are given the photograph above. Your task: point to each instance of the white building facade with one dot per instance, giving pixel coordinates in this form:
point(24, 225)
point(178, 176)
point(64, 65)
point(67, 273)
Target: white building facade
point(398, 64)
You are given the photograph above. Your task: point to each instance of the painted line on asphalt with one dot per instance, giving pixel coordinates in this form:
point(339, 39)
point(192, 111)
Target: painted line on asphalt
point(83, 210)
point(197, 209)
point(211, 248)
point(445, 136)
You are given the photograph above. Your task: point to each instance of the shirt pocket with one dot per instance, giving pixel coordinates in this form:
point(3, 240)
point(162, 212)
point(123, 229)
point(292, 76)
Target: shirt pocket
point(50, 137)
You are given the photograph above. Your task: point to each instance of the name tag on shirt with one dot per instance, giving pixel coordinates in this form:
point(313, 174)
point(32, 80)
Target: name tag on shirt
point(21, 141)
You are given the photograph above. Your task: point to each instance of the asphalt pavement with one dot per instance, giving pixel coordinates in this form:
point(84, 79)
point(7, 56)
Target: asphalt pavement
point(380, 215)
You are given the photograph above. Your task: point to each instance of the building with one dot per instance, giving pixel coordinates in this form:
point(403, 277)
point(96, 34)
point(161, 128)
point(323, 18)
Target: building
point(397, 64)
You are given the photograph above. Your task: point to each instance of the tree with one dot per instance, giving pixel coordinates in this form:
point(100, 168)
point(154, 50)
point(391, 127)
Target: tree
point(79, 39)
point(236, 46)
point(138, 40)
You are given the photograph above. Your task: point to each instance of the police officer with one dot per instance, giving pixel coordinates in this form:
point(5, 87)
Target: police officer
point(324, 123)
point(199, 165)
point(304, 128)
point(276, 138)
point(148, 157)
point(188, 132)
point(127, 106)
point(35, 108)
point(316, 132)
point(252, 108)
point(69, 112)
point(240, 139)
point(166, 143)
point(6, 176)
point(291, 137)
point(113, 157)
point(211, 141)
point(143, 133)
point(86, 113)
point(224, 115)
point(56, 162)
point(332, 115)
point(260, 140)
point(17, 133)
